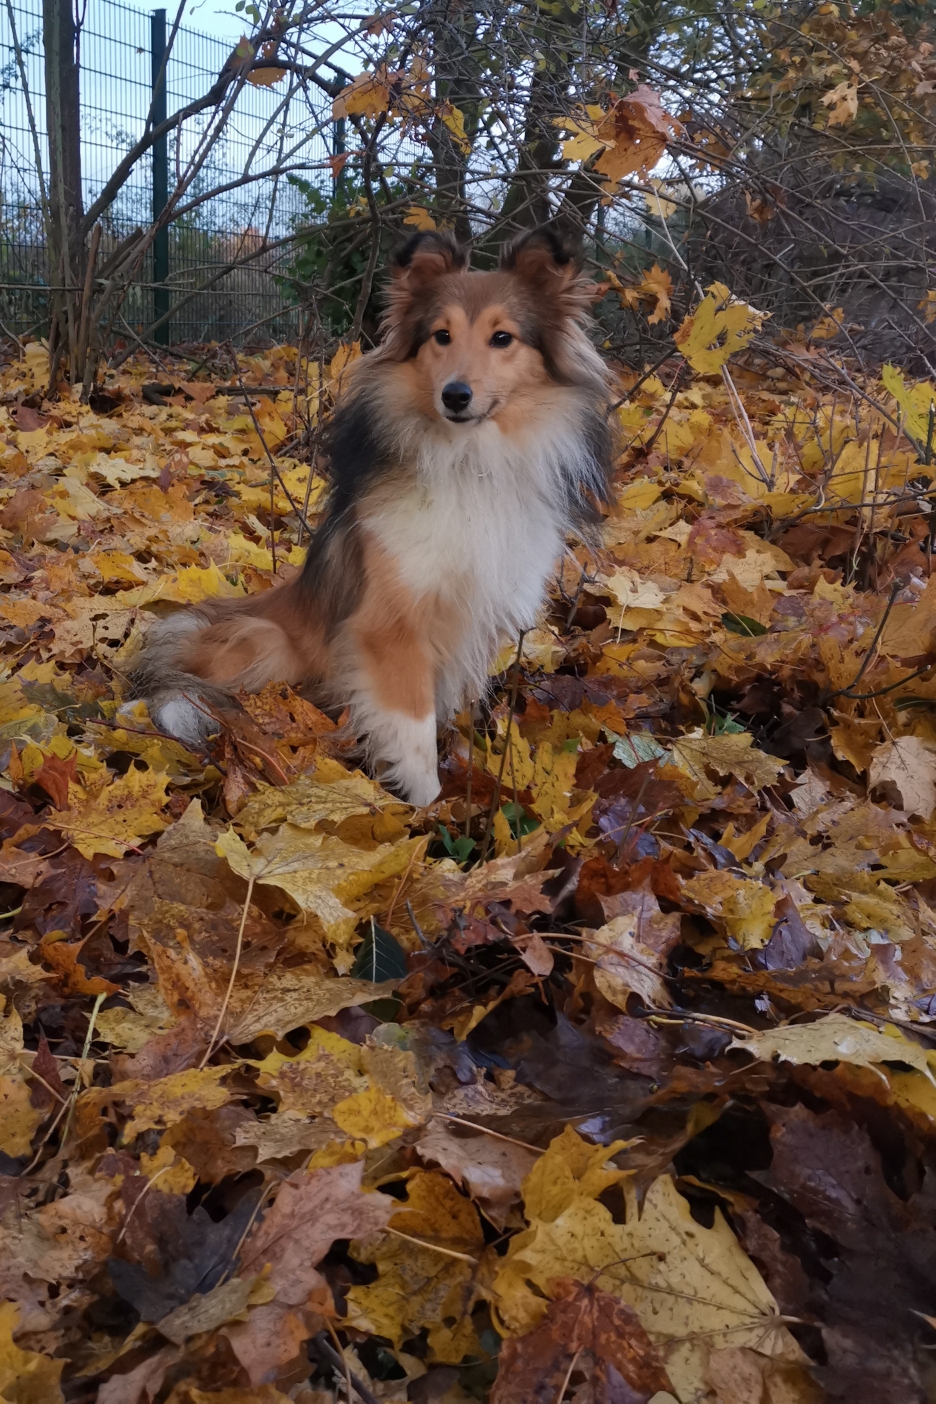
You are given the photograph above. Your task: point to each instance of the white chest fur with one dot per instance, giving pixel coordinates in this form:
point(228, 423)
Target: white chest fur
point(480, 529)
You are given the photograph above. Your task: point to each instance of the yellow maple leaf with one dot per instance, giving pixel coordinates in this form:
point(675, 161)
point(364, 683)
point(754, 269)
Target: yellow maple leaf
point(372, 1116)
point(115, 815)
point(26, 1377)
point(842, 102)
point(733, 753)
point(837, 1038)
point(928, 307)
point(340, 365)
point(366, 96)
point(745, 905)
point(162, 1103)
point(117, 566)
point(168, 1172)
point(693, 1288)
point(454, 120)
point(718, 327)
point(418, 1287)
point(568, 1168)
point(419, 218)
point(189, 585)
point(915, 402)
point(657, 284)
point(19, 1119)
point(321, 873)
point(553, 783)
point(327, 1071)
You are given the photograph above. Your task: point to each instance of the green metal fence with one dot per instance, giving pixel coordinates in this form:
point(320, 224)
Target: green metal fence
point(120, 57)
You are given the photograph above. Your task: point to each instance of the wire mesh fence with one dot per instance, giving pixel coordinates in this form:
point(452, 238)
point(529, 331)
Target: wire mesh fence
point(238, 226)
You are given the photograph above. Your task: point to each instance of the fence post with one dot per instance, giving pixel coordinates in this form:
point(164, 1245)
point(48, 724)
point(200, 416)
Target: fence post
point(338, 149)
point(160, 175)
point(63, 123)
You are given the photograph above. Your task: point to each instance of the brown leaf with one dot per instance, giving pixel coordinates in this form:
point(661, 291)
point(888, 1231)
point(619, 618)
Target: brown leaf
point(742, 1376)
point(580, 1318)
point(29, 420)
point(55, 775)
point(309, 1213)
point(62, 957)
point(48, 1089)
point(490, 1168)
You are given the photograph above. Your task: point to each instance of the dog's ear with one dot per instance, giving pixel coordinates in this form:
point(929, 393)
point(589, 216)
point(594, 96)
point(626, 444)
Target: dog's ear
point(425, 256)
point(543, 258)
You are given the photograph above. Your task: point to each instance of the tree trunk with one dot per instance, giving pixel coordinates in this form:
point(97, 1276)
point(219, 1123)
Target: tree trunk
point(63, 120)
point(527, 200)
point(454, 25)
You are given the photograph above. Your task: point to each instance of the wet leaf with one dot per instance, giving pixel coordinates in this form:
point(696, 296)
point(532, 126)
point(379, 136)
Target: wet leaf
point(379, 957)
point(581, 1318)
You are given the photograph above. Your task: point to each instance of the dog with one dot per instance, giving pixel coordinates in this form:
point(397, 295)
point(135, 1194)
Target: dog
point(468, 445)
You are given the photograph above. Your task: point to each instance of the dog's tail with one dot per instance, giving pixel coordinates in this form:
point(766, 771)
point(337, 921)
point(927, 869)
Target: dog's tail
point(193, 663)
point(179, 701)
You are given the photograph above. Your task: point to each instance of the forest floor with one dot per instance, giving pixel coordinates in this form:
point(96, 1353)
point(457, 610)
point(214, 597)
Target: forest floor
point(610, 1076)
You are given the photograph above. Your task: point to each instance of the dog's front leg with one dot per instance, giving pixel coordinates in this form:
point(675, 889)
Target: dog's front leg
point(393, 705)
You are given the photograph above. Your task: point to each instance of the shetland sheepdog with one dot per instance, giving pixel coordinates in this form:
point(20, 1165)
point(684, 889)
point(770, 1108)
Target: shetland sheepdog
point(469, 443)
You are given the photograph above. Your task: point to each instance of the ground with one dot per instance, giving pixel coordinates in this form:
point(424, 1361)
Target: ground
point(609, 1075)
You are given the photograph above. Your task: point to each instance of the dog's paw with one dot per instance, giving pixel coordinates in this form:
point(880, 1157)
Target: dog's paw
point(183, 718)
point(421, 790)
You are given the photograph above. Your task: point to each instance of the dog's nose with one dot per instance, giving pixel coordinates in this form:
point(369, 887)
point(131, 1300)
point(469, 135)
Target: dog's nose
point(456, 396)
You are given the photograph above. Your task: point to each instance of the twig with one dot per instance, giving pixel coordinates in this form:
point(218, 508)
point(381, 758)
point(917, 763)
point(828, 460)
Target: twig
point(500, 772)
point(847, 691)
point(674, 391)
point(470, 770)
point(568, 1375)
point(434, 1247)
point(328, 1353)
point(237, 955)
point(98, 1001)
point(344, 1359)
point(274, 469)
point(426, 943)
point(891, 687)
point(498, 1135)
point(84, 325)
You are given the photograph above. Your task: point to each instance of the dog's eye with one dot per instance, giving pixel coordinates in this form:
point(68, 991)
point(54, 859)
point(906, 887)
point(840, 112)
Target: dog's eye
point(442, 337)
point(501, 339)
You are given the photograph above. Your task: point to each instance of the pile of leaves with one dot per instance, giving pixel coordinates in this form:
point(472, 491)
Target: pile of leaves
point(611, 1075)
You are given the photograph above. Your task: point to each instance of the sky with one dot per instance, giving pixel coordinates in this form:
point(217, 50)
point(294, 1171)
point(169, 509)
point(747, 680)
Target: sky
point(210, 16)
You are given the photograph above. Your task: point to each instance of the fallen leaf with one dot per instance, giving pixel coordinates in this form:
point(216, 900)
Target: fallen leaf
point(427, 1286)
point(116, 815)
point(837, 1038)
point(687, 1284)
point(581, 1318)
point(490, 1168)
point(26, 1377)
point(906, 768)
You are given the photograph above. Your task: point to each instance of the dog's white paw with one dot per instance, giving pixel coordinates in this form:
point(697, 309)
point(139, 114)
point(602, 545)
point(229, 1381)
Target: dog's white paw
point(183, 719)
point(422, 790)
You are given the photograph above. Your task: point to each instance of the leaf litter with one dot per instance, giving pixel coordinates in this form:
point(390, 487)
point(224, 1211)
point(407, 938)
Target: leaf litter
point(610, 1076)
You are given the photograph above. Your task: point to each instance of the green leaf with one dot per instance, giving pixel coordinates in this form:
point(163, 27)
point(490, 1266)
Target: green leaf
point(743, 624)
point(379, 957)
point(724, 725)
point(458, 848)
point(519, 821)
